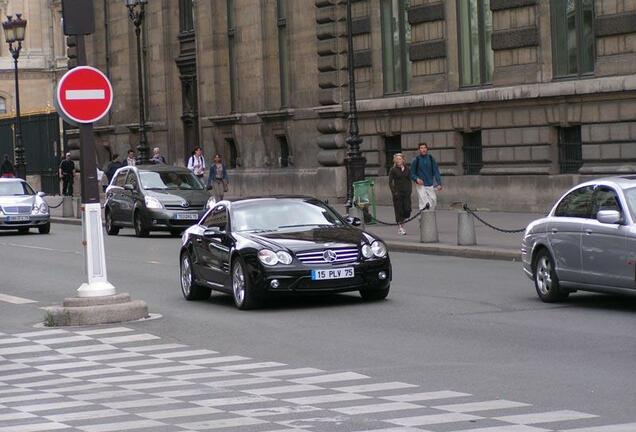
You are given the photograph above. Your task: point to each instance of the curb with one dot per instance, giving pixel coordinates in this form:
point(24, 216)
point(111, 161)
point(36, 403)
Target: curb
point(410, 247)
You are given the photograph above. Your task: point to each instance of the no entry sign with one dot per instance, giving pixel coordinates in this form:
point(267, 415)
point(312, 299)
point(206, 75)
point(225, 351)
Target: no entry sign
point(83, 95)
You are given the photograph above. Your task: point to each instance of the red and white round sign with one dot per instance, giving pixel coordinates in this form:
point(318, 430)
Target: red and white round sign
point(84, 95)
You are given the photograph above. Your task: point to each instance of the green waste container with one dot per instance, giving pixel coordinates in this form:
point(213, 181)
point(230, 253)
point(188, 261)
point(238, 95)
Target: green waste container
point(364, 198)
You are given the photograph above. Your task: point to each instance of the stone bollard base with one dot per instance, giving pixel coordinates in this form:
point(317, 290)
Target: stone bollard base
point(67, 207)
point(466, 229)
point(77, 311)
point(428, 227)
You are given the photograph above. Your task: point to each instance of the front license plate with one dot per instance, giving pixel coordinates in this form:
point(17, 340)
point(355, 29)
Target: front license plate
point(18, 218)
point(188, 216)
point(339, 273)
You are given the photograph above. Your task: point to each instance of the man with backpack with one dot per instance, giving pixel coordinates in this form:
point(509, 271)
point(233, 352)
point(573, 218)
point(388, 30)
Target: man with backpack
point(425, 174)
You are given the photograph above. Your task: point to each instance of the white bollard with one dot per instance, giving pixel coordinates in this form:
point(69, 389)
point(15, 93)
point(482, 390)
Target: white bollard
point(466, 229)
point(67, 207)
point(428, 227)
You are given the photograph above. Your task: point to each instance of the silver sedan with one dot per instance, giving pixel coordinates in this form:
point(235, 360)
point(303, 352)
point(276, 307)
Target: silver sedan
point(587, 242)
point(21, 208)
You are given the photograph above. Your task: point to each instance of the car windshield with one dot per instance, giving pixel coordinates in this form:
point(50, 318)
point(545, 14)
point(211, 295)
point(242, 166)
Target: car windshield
point(630, 195)
point(14, 188)
point(169, 180)
point(272, 215)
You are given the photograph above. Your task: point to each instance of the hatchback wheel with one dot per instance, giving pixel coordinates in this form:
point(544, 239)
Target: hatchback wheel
point(110, 228)
point(140, 230)
point(546, 280)
point(242, 287)
point(189, 288)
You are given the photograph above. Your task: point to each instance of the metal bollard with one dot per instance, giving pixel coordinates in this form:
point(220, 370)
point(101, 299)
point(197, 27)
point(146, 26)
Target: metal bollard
point(67, 207)
point(466, 229)
point(428, 227)
point(78, 215)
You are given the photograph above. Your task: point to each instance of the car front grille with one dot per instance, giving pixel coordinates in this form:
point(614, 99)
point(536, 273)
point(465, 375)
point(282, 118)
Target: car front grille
point(179, 207)
point(343, 255)
point(16, 210)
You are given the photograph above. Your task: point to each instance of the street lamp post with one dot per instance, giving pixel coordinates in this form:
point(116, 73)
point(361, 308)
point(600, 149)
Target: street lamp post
point(136, 9)
point(14, 30)
point(355, 162)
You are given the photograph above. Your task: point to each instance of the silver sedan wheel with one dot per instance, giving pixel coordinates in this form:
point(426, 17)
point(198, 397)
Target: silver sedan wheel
point(238, 284)
point(186, 275)
point(543, 275)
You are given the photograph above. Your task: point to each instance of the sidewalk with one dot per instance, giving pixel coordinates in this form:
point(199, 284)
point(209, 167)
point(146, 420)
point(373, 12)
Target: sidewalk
point(491, 244)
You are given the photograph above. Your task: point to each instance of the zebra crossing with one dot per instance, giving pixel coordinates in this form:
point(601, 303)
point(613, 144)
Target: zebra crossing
point(119, 379)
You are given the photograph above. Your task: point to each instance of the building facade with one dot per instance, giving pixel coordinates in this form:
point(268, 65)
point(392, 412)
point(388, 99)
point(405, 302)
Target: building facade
point(517, 99)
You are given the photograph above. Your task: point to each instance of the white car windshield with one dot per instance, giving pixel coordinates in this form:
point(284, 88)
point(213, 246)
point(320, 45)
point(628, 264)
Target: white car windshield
point(271, 215)
point(169, 180)
point(630, 195)
point(15, 188)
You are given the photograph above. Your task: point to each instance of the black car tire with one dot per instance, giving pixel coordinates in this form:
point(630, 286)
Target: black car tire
point(242, 290)
point(45, 229)
point(23, 230)
point(189, 288)
point(110, 228)
point(375, 294)
point(140, 229)
point(546, 281)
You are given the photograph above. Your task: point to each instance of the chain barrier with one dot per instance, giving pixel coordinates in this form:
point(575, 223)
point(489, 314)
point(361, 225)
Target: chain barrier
point(57, 205)
point(376, 220)
point(507, 231)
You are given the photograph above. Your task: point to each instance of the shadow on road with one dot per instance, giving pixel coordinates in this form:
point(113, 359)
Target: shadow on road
point(289, 302)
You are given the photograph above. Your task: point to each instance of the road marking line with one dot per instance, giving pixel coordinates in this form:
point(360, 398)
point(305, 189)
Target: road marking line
point(90, 94)
point(41, 333)
point(215, 360)
point(343, 376)
point(28, 397)
point(36, 427)
point(105, 395)
point(104, 331)
point(241, 382)
point(433, 419)
point(125, 378)
point(288, 372)
point(133, 363)
point(140, 403)
point(86, 349)
point(51, 406)
point(264, 412)
point(238, 400)
point(545, 417)
point(153, 385)
point(132, 338)
point(93, 372)
point(16, 416)
point(181, 393)
point(16, 377)
point(52, 382)
point(170, 369)
point(43, 359)
point(420, 397)
point(69, 365)
point(625, 427)
point(15, 300)
point(283, 389)
point(515, 428)
point(481, 406)
point(250, 366)
point(86, 415)
point(159, 347)
point(363, 388)
point(180, 354)
point(122, 426)
point(337, 397)
point(376, 408)
point(181, 412)
point(202, 375)
point(54, 341)
point(82, 387)
point(218, 424)
point(114, 356)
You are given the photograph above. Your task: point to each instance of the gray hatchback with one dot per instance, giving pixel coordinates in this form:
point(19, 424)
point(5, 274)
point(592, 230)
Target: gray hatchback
point(587, 242)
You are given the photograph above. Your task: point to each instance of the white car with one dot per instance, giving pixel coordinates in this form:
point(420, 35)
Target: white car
point(21, 208)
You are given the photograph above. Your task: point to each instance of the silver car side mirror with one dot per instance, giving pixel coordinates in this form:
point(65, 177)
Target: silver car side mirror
point(609, 216)
point(41, 194)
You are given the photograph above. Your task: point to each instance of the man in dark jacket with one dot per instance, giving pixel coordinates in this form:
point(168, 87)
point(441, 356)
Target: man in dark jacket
point(67, 174)
point(113, 166)
point(425, 173)
point(6, 170)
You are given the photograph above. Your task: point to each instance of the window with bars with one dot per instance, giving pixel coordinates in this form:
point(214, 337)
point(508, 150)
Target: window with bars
point(570, 149)
point(572, 37)
point(396, 36)
point(475, 29)
point(473, 153)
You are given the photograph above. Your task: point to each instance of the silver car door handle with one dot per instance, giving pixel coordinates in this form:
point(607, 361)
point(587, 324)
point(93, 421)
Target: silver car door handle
point(199, 240)
point(554, 230)
point(588, 231)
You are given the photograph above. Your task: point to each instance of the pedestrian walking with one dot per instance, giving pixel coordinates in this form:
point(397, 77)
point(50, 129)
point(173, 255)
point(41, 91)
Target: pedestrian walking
point(130, 159)
point(218, 178)
point(112, 167)
point(157, 158)
point(401, 188)
point(425, 173)
point(196, 163)
point(6, 169)
point(67, 174)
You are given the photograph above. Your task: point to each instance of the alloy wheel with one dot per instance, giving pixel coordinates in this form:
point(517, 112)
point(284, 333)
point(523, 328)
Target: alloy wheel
point(238, 284)
point(544, 275)
point(186, 275)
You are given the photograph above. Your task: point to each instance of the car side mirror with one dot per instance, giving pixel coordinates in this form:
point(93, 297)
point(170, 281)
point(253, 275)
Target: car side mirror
point(129, 187)
point(354, 221)
point(212, 232)
point(609, 217)
point(41, 194)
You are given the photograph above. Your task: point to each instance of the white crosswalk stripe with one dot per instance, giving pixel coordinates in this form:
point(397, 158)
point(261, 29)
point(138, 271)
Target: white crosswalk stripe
point(15, 300)
point(118, 380)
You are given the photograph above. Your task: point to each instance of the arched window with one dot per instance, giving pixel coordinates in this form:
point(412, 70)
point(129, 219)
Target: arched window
point(3, 105)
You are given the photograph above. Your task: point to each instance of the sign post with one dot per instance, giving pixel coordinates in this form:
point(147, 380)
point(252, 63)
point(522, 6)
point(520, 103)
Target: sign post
point(83, 96)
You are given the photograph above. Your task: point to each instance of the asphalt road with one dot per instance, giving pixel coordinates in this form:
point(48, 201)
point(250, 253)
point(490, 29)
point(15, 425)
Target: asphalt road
point(471, 326)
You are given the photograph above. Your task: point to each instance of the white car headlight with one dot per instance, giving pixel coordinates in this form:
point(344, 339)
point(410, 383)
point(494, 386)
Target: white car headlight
point(268, 257)
point(152, 203)
point(40, 208)
point(366, 251)
point(284, 257)
point(378, 248)
point(210, 203)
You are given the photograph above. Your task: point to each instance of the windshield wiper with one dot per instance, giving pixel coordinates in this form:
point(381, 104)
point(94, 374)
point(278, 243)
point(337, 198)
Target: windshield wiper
point(302, 225)
point(258, 230)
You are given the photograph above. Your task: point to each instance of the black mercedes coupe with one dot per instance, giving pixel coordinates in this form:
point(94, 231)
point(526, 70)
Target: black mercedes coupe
point(257, 247)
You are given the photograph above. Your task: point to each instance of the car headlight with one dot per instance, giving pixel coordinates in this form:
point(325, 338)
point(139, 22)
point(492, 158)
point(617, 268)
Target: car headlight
point(40, 208)
point(366, 251)
point(284, 257)
point(378, 248)
point(268, 257)
point(152, 203)
point(210, 203)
